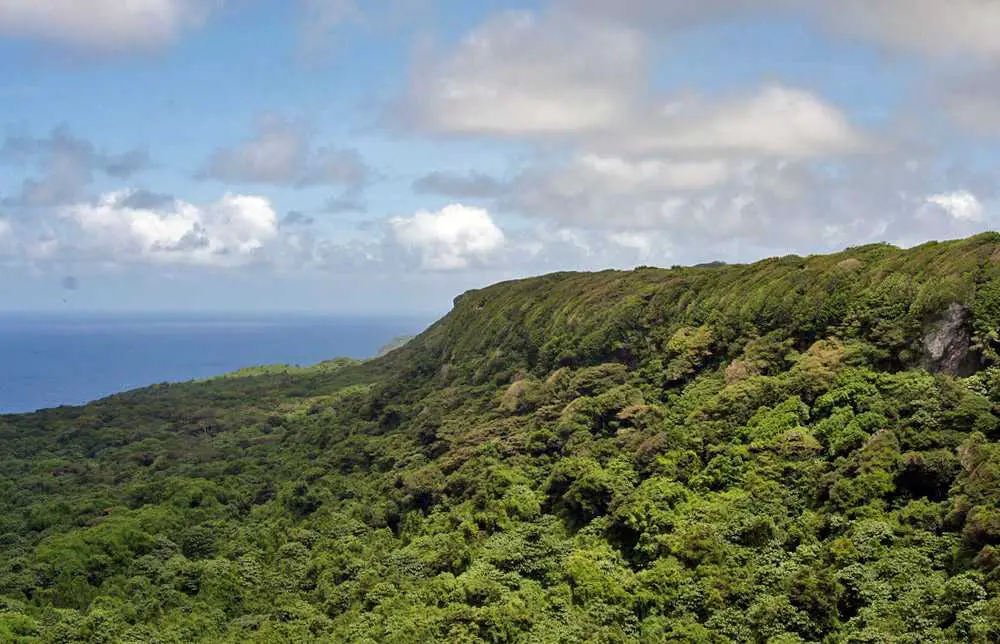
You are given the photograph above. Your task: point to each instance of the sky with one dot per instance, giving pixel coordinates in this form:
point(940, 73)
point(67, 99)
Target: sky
point(383, 156)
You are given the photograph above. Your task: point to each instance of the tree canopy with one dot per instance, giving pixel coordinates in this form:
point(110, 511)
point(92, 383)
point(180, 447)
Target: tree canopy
point(803, 449)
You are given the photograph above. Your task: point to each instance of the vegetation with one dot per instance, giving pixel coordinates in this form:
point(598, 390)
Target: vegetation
point(763, 453)
point(394, 344)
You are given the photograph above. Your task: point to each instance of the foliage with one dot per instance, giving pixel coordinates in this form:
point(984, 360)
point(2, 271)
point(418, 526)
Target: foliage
point(725, 453)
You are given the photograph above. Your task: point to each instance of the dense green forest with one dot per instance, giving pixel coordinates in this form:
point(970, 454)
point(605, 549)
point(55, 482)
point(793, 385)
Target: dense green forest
point(804, 449)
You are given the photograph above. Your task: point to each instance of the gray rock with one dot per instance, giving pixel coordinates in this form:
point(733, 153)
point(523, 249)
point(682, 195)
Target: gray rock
point(948, 345)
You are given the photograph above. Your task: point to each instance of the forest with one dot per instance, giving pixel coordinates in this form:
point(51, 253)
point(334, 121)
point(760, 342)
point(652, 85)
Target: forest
point(803, 449)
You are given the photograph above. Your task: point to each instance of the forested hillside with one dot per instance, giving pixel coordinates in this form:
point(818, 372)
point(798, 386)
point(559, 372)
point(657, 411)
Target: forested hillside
point(802, 449)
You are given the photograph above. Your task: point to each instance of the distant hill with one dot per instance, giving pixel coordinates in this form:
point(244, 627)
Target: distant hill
point(802, 449)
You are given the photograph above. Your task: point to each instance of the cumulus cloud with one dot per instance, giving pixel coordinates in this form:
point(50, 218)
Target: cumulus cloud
point(548, 247)
point(707, 167)
point(692, 166)
point(231, 231)
point(630, 170)
point(624, 175)
point(601, 191)
point(946, 215)
point(640, 242)
point(611, 169)
point(521, 74)
point(775, 120)
point(67, 165)
point(456, 237)
point(588, 175)
point(605, 192)
point(102, 25)
point(755, 208)
point(962, 205)
point(627, 158)
point(569, 75)
point(280, 153)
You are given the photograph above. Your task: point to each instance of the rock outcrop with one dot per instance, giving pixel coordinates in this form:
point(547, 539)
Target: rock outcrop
point(948, 345)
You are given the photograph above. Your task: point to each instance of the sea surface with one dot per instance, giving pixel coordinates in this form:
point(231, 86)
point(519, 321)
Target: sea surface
point(52, 360)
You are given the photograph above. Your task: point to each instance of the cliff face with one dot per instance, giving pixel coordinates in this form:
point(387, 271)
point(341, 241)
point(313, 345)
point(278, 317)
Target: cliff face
point(948, 346)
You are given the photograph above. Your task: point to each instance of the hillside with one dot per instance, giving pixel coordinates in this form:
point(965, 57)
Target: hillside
point(801, 449)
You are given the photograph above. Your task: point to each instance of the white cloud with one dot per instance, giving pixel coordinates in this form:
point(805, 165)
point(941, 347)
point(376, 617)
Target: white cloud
point(946, 215)
point(776, 121)
point(547, 248)
point(639, 242)
point(761, 207)
point(456, 237)
point(954, 31)
point(544, 242)
point(617, 174)
point(962, 205)
point(5, 228)
point(229, 232)
point(521, 74)
point(104, 25)
point(280, 153)
point(609, 191)
point(571, 201)
point(726, 175)
point(637, 162)
point(634, 159)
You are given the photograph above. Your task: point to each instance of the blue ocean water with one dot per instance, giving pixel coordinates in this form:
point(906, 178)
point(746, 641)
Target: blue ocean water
point(52, 360)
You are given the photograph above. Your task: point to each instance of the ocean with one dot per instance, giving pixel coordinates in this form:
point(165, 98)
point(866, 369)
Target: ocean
point(52, 360)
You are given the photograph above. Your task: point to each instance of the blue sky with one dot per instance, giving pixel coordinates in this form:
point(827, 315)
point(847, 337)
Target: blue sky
point(384, 156)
